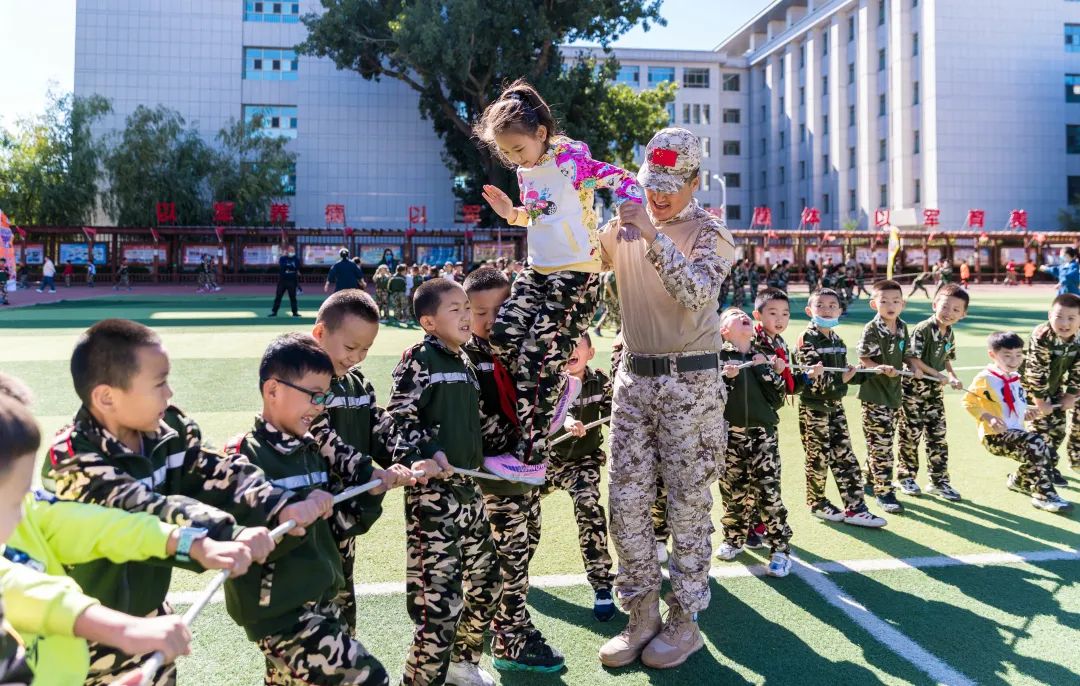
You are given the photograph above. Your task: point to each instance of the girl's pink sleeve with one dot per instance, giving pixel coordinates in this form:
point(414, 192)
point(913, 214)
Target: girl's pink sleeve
point(575, 159)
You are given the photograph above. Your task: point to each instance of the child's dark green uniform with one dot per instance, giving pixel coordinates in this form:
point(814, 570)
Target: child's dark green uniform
point(1051, 370)
point(288, 604)
point(823, 424)
point(880, 396)
point(751, 483)
point(922, 410)
point(176, 480)
point(435, 407)
point(575, 467)
point(398, 302)
point(382, 295)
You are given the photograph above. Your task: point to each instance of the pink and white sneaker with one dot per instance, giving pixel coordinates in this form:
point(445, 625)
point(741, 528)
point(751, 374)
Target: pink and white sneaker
point(571, 391)
point(510, 468)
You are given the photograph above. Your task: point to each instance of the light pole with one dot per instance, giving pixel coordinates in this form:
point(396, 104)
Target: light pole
point(723, 193)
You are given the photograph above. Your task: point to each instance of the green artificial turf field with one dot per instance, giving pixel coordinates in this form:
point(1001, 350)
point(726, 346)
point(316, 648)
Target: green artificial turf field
point(958, 608)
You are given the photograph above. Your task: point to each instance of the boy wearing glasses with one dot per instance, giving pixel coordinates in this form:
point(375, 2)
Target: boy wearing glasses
point(288, 605)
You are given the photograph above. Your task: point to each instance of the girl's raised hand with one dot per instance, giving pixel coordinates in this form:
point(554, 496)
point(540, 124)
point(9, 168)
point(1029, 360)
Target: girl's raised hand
point(500, 202)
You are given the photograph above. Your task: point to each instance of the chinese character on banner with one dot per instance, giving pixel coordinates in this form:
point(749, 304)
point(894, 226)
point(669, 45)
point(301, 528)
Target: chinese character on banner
point(166, 212)
point(279, 213)
point(417, 215)
point(762, 216)
point(471, 213)
point(223, 212)
point(1018, 219)
point(881, 217)
point(811, 216)
point(976, 219)
point(932, 217)
point(335, 214)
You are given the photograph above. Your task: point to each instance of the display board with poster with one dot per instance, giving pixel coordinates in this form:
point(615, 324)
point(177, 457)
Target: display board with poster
point(865, 255)
point(435, 255)
point(320, 255)
point(1017, 255)
point(30, 253)
point(822, 255)
point(777, 255)
point(261, 254)
point(143, 253)
point(193, 254)
point(913, 257)
point(371, 255)
point(78, 253)
point(963, 255)
point(489, 252)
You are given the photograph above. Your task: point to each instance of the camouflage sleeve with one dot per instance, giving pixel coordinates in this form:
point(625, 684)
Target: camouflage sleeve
point(1072, 378)
point(917, 345)
point(402, 419)
point(907, 344)
point(694, 280)
point(381, 440)
point(805, 353)
point(235, 485)
point(348, 466)
point(869, 343)
point(1036, 372)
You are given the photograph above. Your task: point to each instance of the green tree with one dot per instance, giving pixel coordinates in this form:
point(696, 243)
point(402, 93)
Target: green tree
point(249, 168)
point(458, 54)
point(49, 164)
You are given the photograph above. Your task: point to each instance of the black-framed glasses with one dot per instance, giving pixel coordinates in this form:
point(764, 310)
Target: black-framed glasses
point(317, 397)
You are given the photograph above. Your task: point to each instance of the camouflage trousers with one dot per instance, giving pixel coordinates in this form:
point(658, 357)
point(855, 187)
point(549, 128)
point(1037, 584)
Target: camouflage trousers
point(318, 649)
point(452, 578)
point(580, 477)
point(827, 445)
point(670, 426)
point(346, 598)
point(515, 533)
point(879, 428)
point(658, 513)
point(382, 299)
point(537, 329)
point(108, 664)
point(922, 415)
point(1036, 457)
point(399, 304)
point(751, 488)
point(1052, 428)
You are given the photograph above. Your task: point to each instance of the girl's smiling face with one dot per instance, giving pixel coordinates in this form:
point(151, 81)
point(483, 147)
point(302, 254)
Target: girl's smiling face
point(521, 149)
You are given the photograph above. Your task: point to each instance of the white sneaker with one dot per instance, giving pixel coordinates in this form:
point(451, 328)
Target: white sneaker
point(468, 674)
point(943, 490)
point(864, 518)
point(662, 552)
point(727, 552)
point(1051, 503)
point(908, 487)
point(779, 565)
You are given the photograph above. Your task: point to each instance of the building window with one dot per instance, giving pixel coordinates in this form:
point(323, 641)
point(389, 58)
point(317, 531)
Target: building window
point(275, 120)
point(706, 146)
point(288, 181)
point(782, 108)
point(915, 93)
point(802, 133)
point(916, 143)
point(1073, 190)
point(851, 29)
point(671, 112)
point(918, 191)
point(705, 116)
point(1072, 88)
point(1072, 37)
point(881, 59)
point(824, 85)
point(734, 116)
point(783, 140)
point(783, 210)
point(851, 72)
point(802, 56)
point(272, 12)
point(915, 44)
point(629, 75)
point(782, 62)
point(802, 95)
point(824, 125)
point(764, 113)
point(706, 180)
point(270, 64)
point(733, 212)
point(761, 146)
point(765, 179)
point(826, 205)
point(883, 151)
point(882, 105)
point(731, 82)
point(1072, 139)
point(802, 170)
point(853, 199)
point(825, 43)
point(734, 148)
point(686, 114)
point(697, 114)
point(851, 157)
point(695, 77)
point(883, 196)
point(733, 180)
point(851, 115)
point(780, 175)
point(658, 75)
point(881, 16)
point(825, 164)
point(914, 3)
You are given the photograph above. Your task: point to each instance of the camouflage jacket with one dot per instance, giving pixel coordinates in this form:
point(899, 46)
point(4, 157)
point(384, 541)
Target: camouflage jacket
point(755, 394)
point(816, 346)
point(177, 480)
point(354, 417)
point(594, 403)
point(1051, 365)
point(771, 346)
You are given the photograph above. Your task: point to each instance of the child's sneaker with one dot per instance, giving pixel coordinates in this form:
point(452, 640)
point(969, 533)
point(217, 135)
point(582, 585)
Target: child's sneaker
point(603, 606)
point(662, 552)
point(864, 518)
point(1058, 478)
point(727, 552)
point(890, 504)
point(1012, 482)
point(535, 656)
point(868, 487)
point(828, 512)
point(570, 393)
point(753, 541)
point(510, 468)
point(1051, 503)
point(944, 490)
point(908, 487)
point(779, 565)
point(467, 674)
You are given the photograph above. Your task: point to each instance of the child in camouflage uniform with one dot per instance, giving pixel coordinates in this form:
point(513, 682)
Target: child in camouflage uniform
point(382, 290)
point(5, 275)
point(919, 284)
point(822, 421)
point(922, 412)
point(885, 347)
point(996, 399)
point(396, 287)
point(453, 574)
point(1051, 376)
point(513, 509)
point(575, 467)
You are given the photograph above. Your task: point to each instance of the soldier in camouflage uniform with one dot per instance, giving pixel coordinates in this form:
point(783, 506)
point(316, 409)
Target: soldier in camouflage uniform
point(667, 412)
point(171, 476)
point(434, 411)
point(922, 412)
point(398, 298)
point(1051, 376)
point(886, 346)
point(822, 421)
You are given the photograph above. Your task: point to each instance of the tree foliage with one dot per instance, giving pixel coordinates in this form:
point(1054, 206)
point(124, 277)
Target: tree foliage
point(249, 168)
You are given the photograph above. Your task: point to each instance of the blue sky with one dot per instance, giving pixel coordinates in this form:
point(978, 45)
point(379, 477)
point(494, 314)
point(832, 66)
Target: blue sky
point(37, 42)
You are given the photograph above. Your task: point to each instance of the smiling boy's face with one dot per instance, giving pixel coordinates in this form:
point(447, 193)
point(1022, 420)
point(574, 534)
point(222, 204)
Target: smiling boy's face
point(1007, 359)
point(349, 343)
point(580, 357)
point(774, 316)
point(949, 309)
point(290, 409)
point(1065, 321)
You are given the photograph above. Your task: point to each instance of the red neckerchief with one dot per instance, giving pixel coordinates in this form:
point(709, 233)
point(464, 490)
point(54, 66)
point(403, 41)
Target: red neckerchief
point(507, 391)
point(789, 380)
point(1006, 391)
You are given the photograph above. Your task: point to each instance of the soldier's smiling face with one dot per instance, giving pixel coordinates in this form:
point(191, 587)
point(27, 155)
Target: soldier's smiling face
point(664, 206)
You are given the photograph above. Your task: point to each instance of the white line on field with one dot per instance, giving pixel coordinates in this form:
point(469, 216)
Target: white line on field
point(736, 571)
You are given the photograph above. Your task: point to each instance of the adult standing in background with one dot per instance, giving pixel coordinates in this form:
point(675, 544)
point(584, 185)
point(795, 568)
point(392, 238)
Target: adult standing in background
point(48, 276)
point(288, 277)
point(1067, 272)
point(344, 274)
point(389, 260)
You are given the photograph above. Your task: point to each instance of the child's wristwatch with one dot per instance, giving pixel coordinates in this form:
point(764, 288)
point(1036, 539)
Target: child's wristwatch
point(188, 536)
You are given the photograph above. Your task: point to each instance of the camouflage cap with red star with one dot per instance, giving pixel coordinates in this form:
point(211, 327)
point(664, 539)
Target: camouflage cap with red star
point(672, 158)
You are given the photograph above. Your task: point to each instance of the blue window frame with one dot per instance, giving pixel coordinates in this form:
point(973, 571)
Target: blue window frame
point(272, 12)
point(270, 64)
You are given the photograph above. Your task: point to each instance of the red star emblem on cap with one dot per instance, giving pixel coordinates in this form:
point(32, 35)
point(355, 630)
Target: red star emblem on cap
point(663, 157)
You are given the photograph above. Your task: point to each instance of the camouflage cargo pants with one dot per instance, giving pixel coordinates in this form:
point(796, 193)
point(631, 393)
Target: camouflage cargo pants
point(346, 598)
point(537, 329)
point(922, 415)
point(382, 299)
point(108, 664)
point(827, 445)
point(671, 426)
point(318, 649)
point(452, 576)
point(658, 513)
point(1036, 457)
point(1052, 428)
point(879, 428)
point(581, 479)
point(751, 488)
point(399, 305)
